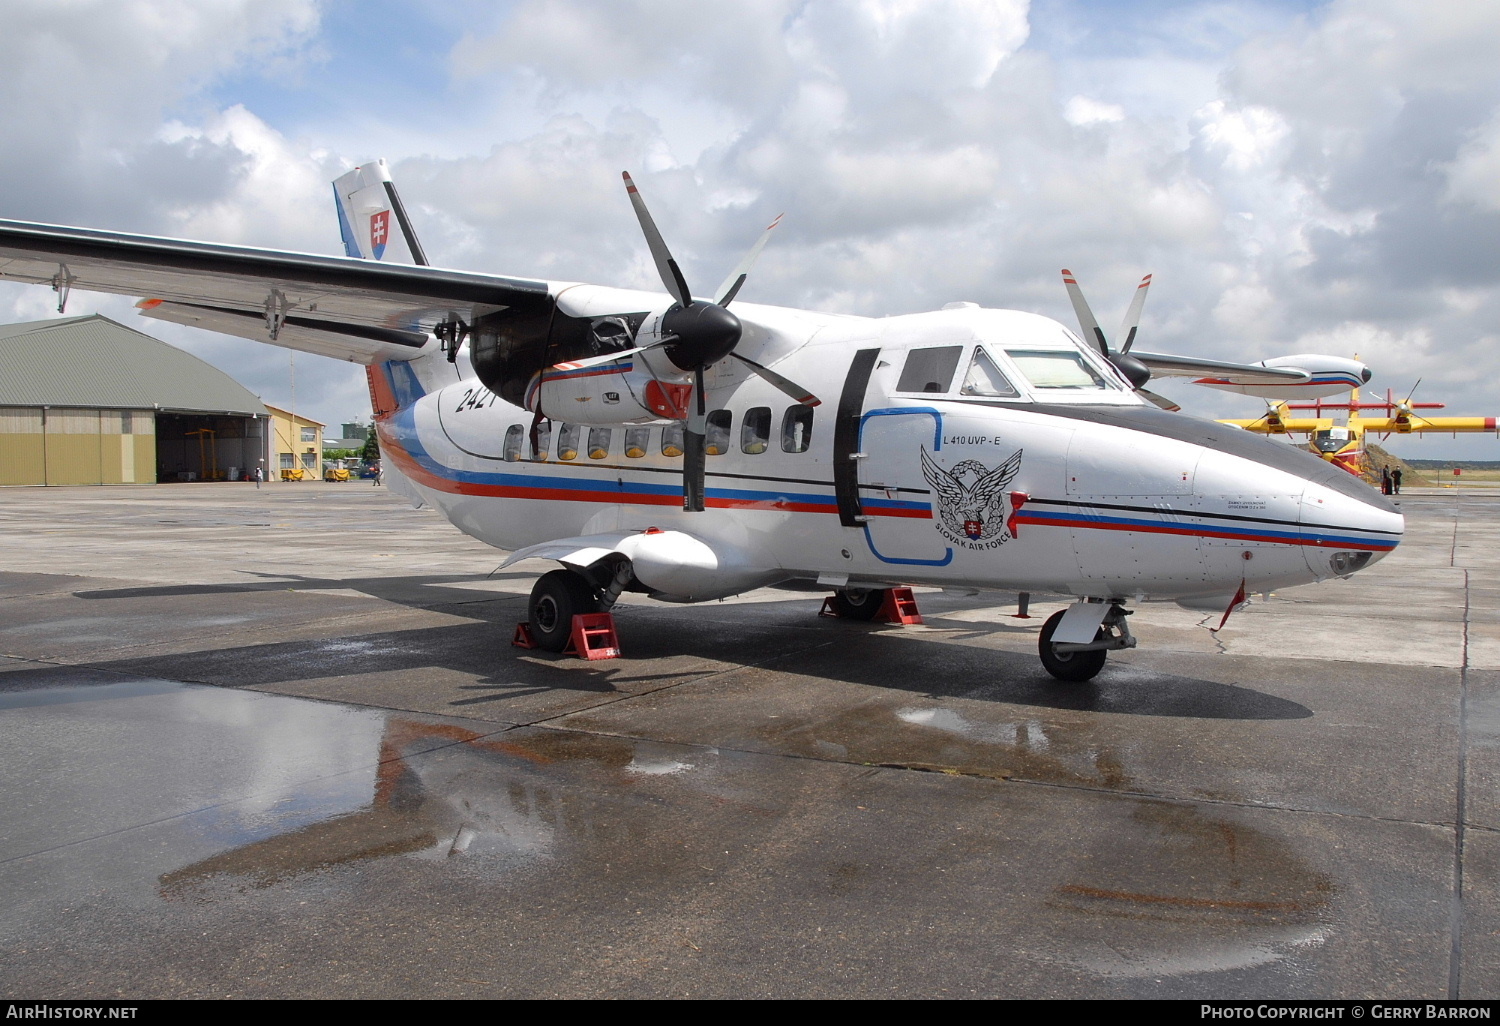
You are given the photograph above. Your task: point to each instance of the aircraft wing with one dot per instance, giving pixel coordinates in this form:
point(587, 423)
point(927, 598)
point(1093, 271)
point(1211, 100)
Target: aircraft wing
point(336, 306)
point(1418, 424)
point(1164, 365)
point(1288, 425)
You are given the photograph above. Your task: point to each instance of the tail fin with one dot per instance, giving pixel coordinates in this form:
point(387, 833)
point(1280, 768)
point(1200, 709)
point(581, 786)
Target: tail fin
point(365, 199)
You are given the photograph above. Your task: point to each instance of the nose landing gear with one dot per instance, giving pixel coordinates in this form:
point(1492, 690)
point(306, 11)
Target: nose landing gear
point(1077, 661)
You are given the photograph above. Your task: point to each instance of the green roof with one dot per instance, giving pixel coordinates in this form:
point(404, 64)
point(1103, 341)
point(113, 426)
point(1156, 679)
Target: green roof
point(94, 362)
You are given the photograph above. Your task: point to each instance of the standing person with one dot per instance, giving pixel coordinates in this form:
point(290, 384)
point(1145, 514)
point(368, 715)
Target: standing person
point(260, 474)
point(1385, 480)
point(379, 474)
point(1396, 480)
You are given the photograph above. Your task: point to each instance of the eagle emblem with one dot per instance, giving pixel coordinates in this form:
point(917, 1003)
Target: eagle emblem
point(971, 499)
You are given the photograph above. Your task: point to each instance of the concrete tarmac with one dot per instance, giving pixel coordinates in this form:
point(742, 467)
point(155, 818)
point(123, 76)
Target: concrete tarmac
point(276, 743)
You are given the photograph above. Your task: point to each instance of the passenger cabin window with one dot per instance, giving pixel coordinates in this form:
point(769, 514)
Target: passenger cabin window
point(755, 431)
point(671, 440)
point(719, 423)
point(637, 440)
point(513, 436)
point(984, 378)
point(796, 429)
point(567, 442)
point(929, 370)
point(1056, 368)
point(599, 439)
point(543, 441)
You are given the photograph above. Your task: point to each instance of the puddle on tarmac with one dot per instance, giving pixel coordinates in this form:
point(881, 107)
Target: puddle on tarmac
point(1174, 888)
point(1171, 888)
point(228, 789)
point(943, 739)
point(443, 792)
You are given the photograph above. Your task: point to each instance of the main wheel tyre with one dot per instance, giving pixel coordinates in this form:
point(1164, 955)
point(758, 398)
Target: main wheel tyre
point(556, 598)
point(858, 603)
point(1071, 666)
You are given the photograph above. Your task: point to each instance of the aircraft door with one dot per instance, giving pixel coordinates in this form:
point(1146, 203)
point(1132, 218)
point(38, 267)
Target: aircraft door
point(894, 497)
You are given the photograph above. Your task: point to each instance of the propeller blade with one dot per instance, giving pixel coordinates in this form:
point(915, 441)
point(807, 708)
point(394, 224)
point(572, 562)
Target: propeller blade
point(1162, 401)
point(1086, 320)
point(1133, 315)
point(790, 387)
point(671, 274)
point(731, 285)
point(594, 361)
point(695, 451)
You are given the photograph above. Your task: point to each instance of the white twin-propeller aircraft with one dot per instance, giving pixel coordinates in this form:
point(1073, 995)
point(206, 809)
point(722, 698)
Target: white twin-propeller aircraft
point(668, 445)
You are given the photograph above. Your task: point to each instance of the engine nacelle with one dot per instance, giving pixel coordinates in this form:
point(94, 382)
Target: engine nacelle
point(622, 391)
point(641, 388)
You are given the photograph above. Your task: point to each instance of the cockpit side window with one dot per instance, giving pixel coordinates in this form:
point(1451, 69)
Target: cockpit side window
point(986, 379)
point(930, 369)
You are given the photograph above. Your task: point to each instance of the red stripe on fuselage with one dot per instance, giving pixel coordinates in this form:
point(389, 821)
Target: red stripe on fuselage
point(1199, 532)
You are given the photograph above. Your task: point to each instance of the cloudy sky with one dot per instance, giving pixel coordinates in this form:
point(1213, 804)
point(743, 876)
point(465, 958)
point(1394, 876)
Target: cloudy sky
point(1300, 177)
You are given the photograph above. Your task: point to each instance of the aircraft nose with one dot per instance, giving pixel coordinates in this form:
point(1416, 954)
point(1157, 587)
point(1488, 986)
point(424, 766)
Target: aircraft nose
point(1344, 532)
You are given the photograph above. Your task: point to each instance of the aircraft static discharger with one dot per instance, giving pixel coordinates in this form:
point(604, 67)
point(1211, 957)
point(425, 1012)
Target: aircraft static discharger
point(692, 448)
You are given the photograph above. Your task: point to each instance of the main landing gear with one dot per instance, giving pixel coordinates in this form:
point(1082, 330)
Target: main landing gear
point(560, 595)
point(858, 603)
point(556, 598)
point(1082, 660)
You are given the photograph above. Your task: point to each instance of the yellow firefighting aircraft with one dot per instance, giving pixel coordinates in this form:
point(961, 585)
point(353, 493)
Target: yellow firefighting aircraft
point(1344, 444)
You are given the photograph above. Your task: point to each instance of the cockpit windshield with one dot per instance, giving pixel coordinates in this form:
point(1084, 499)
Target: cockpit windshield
point(1331, 440)
point(1057, 369)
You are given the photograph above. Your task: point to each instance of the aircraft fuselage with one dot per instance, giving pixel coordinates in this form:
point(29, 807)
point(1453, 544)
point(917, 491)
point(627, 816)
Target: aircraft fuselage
point(918, 468)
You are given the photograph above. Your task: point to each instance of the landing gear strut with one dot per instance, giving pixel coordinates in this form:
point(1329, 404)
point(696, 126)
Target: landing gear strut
point(1080, 661)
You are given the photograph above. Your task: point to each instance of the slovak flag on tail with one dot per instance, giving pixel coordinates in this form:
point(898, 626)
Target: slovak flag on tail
point(366, 198)
point(380, 227)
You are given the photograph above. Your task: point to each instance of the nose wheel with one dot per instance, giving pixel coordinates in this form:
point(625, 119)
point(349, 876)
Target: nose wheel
point(1080, 661)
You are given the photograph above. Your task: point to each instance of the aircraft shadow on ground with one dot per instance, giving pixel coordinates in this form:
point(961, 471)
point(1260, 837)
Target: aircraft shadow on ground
point(694, 642)
point(433, 590)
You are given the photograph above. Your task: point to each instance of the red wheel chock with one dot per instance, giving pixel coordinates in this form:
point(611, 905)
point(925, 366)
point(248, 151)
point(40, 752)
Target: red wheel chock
point(593, 637)
point(899, 606)
point(829, 609)
point(523, 638)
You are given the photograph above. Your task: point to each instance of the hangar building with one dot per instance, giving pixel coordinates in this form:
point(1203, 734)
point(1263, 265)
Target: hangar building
point(86, 400)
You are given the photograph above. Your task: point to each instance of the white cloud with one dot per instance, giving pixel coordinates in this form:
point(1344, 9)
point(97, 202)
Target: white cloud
point(1081, 110)
point(1326, 179)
